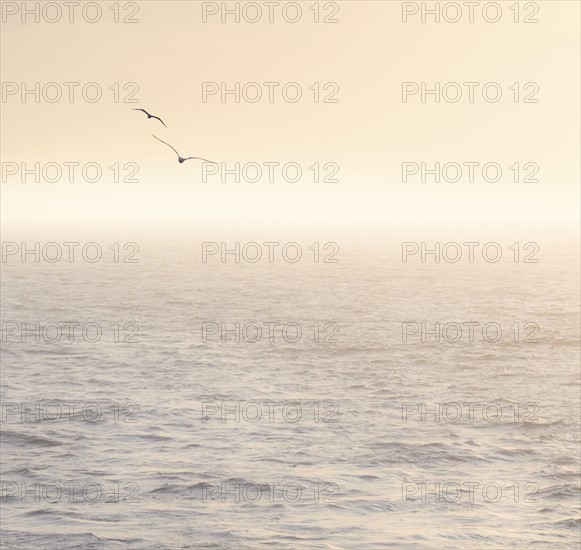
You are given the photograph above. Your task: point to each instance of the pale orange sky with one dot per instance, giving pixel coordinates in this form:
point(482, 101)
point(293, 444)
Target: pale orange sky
point(369, 133)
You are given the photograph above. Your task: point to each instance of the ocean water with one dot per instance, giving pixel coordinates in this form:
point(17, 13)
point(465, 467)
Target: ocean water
point(324, 442)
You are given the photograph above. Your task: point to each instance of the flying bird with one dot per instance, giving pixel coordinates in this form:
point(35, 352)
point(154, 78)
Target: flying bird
point(151, 116)
point(180, 158)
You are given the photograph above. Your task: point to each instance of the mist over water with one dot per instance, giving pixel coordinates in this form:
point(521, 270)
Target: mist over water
point(347, 472)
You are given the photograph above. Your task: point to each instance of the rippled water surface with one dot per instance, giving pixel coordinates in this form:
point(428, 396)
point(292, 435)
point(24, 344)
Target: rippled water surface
point(330, 463)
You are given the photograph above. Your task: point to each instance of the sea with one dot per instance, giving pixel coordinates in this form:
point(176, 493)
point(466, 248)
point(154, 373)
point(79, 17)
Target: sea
point(200, 397)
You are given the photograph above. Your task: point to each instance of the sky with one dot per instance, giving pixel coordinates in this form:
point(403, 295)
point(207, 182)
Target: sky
point(170, 52)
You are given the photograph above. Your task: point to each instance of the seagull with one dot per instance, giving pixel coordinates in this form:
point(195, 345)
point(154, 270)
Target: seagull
point(180, 158)
point(151, 116)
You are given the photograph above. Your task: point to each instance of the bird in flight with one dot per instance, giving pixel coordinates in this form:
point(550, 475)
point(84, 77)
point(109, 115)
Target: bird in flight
point(180, 158)
point(151, 116)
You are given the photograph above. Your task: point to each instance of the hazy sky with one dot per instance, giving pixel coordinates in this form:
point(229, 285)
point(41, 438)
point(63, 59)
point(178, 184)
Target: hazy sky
point(170, 53)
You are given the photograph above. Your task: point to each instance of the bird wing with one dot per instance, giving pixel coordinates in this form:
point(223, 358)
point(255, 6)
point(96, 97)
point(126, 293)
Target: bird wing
point(200, 158)
point(153, 116)
point(166, 144)
point(143, 110)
